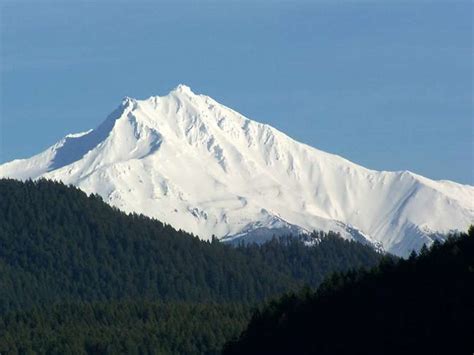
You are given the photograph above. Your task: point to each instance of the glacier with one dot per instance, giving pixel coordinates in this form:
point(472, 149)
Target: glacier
point(202, 167)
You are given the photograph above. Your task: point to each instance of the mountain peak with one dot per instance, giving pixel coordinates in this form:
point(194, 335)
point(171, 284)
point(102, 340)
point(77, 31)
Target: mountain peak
point(182, 89)
point(199, 166)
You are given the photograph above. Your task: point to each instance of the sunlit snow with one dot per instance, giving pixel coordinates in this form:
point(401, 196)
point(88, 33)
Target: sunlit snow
point(193, 163)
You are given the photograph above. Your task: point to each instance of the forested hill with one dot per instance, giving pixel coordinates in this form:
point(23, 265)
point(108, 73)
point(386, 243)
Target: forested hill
point(423, 305)
point(78, 276)
point(57, 244)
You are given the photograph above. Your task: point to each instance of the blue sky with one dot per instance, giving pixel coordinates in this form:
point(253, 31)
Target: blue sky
point(386, 84)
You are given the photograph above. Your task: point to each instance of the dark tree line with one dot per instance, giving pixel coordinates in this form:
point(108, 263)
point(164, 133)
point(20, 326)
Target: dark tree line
point(59, 244)
point(64, 251)
point(123, 327)
point(423, 305)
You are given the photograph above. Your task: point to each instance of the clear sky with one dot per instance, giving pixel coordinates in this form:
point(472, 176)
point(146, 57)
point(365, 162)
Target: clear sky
point(386, 84)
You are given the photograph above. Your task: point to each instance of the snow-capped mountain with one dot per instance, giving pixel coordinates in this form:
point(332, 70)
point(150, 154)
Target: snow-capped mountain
point(193, 163)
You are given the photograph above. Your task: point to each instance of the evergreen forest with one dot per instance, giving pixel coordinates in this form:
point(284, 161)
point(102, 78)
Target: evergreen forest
point(423, 305)
point(79, 276)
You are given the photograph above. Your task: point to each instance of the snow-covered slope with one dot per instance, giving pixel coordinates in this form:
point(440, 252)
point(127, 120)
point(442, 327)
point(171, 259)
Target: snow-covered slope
point(197, 165)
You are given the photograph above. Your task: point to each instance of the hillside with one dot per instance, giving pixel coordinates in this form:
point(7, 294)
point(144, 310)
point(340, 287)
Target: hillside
point(72, 264)
point(423, 305)
point(199, 166)
point(58, 244)
point(123, 327)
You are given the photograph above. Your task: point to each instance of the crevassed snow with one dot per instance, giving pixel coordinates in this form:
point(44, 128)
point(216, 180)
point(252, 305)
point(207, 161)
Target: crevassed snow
point(193, 163)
